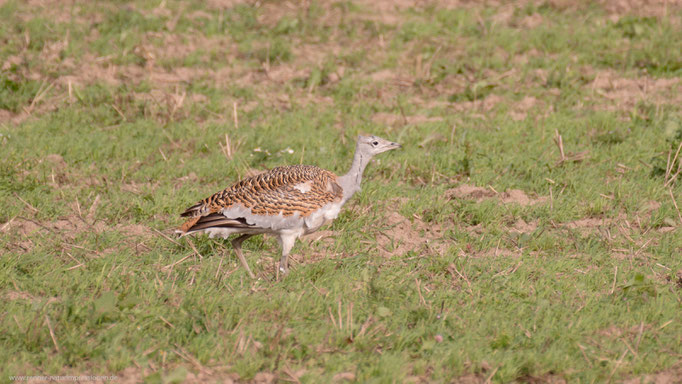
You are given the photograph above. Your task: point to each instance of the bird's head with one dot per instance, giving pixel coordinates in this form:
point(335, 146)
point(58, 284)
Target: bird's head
point(372, 145)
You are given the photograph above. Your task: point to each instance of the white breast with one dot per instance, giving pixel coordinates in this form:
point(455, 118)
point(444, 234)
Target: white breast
point(322, 216)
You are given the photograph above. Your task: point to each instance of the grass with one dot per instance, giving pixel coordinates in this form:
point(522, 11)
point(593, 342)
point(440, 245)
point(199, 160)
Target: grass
point(113, 119)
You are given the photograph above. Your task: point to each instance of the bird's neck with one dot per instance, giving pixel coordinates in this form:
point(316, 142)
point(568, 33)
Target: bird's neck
point(350, 182)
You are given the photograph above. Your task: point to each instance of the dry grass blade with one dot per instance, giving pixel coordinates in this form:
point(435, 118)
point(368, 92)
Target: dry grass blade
point(582, 351)
point(419, 291)
point(166, 237)
point(618, 363)
point(492, 374)
point(227, 148)
point(672, 197)
point(669, 177)
point(28, 205)
point(235, 116)
point(170, 266)
point(191, 359)
point(52, 336)
point(115, 108)
point(293, 377)
point(93, 208)
point(7, 224)
point(174, 103)
point(166, 321)
point(42, 91)
point(559, 143)
point(571, 157)
point(191, 244)
point(364, 326)
point(452, 268)
point(332, 317)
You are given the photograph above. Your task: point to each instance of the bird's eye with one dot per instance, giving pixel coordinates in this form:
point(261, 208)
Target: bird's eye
point(375, 143)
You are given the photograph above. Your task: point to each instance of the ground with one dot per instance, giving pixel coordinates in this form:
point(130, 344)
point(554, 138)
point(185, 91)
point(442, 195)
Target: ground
point(528, 231)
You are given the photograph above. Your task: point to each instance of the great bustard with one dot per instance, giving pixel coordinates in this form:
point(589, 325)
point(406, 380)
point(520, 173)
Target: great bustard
point(288, 202)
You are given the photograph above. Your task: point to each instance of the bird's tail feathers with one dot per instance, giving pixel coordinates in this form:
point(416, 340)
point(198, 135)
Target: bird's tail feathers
point(213, 220)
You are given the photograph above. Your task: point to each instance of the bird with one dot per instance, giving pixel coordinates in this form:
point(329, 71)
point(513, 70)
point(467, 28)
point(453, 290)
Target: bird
point(287, 202)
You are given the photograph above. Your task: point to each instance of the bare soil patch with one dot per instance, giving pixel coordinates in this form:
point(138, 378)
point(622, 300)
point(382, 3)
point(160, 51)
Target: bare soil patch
point(68, 228)
point(195, 374)
point(486, 104)
point(470, 192)
point(587, 223)
point(593, 224)
point(671, 376)
point(403, 235)
point(521, 226)
point(224, 4)
point(498, 252)
point(623, 94)
point(648, 8)
point(392, 119)
point(520, 109)
point(19, 295)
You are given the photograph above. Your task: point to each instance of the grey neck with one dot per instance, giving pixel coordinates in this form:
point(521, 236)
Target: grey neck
point(350, 182)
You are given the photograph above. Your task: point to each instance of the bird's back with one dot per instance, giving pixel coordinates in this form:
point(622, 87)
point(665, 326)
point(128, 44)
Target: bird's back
point(274, 199)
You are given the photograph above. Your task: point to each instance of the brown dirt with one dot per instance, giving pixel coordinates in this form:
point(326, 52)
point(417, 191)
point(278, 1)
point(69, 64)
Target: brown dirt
point(18, 225)
point(496, 252)
point(478, 105)
point(666, 229)
point(137, 188)
point(520, 226)
point(592, 224)
point(224, 4)
point(671, 376)
point(587, 223)
point(72, 225)
point(56, 161)
point(520, 109)
point(613, 92)
point(133, 375)
point(18, 295)
point(618, 332)
point(650, 206)
point(650, 8)
point(136, 230)
point(344, 376)
point(403, 235)
point(479, 194)
point(471, 378)
point(319, 236)
point(392, 119)
point(6, 116)
point(264, 378)
point(68, 228)
point(542, 379)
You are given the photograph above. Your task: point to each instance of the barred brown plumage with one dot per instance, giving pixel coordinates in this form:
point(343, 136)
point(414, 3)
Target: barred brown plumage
point(287, 201)
point(274, 192)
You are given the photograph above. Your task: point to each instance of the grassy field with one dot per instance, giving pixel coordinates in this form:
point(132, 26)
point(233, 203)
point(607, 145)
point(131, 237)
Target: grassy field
point(528, 231)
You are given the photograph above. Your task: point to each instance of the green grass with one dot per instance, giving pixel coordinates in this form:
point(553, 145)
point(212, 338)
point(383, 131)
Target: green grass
point(80, 251)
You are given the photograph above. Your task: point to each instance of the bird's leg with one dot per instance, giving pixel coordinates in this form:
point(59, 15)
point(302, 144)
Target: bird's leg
point(237, 245)
point(287, 242)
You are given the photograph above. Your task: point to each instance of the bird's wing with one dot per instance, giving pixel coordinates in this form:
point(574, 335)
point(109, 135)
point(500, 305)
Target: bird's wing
point(276, 199)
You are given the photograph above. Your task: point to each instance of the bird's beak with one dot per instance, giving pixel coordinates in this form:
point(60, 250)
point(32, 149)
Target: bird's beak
point(387, 146)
